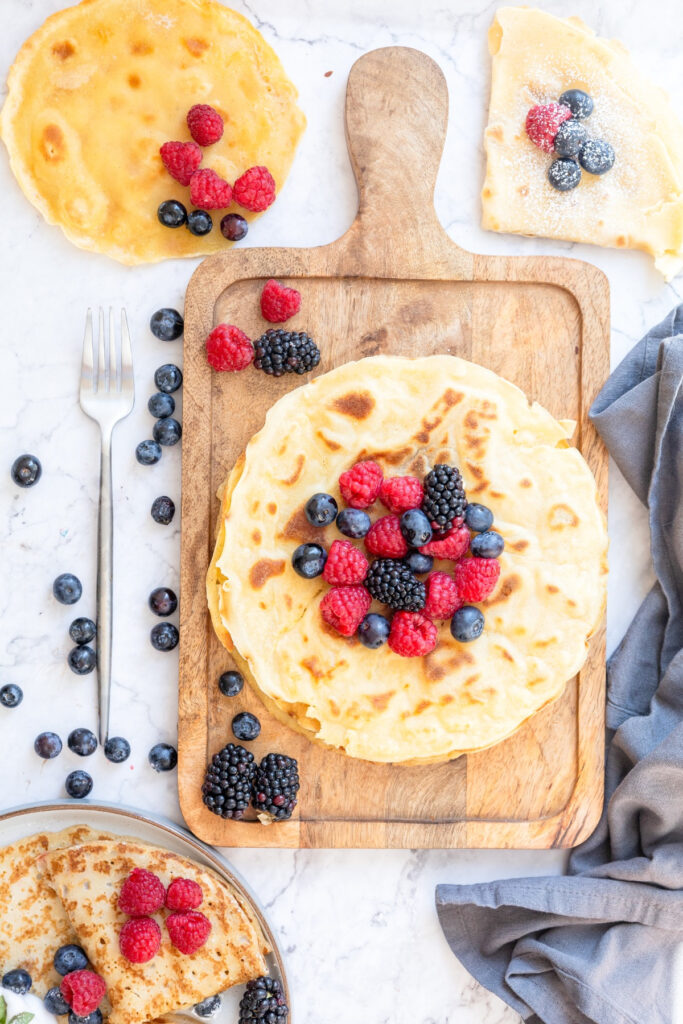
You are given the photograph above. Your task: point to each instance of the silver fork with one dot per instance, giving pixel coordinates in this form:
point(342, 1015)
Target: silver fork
point(107, 395)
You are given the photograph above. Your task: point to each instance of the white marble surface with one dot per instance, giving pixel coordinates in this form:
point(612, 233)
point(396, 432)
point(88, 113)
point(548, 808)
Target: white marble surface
point(358, 928)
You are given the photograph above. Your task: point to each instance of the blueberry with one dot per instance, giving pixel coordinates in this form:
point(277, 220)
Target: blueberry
point(208, 1007)
point(147, 453)
point(199, 222)
point(309, 560)
point(166, 324)
point(418, 563)
point(67, 588)
point(564, 174)
point(579, 102)
point(487, 545)
point(321, 509)
point(55, 1002)
point(82, 631)
point(18, 981)
point(467, 624)
point(163, 510)
point(11, 695)
point(93, 1018)
point(70, 958)
point(416, 528)
point(116, 749)
point(596, 156)
point(163, 757)
point(168, 378)
point(161, 405)
point(230, 683)
point(164, 637)
point(353, 522)
point(82, 742)
point(570, 137)
point(78, 784)
point(172, 214)
point(167, 431)
point(26, 470)
point(82, 660)
point(374, 630)
point(246, 726)
point(234, 227)
point(163, 601)
point(47, 745)
point(478, 518)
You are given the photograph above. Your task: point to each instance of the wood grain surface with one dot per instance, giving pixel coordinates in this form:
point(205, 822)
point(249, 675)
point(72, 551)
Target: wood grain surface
point(395, 282)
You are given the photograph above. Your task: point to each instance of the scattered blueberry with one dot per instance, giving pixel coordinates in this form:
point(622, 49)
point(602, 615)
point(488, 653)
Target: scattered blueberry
point(55, 1002)
point(172, 214)
point(570, 137)
point(67, 588)
point(467, 624)
point(70, 958)
point(93, 1018)
point(167, 431)
point(47, 745)
point(230, 683)
point(78, 784)
point(82, 742)
point(117, 749)
point(416, 528)
point(163, 601)
point(579, 102)
point(564, 174)
point(163, 757)
point(199, 222)
point(374, 630)
point(418, 563)
point(11, 695)
point(208, 1007)
point(478, 518)
point(18, 981)
point(147, 453)
point(163, 510)
point(596, 156)
point(353, 522)
point(234, 227)
point(166, 324)
point(487, 545)
point(82, 660)
point(164, 637)
point(161, 405)
point(26, 470)
point(82, 630)
point(321, 509)
point(168, 378)
point(309, 560)
point(246, 726)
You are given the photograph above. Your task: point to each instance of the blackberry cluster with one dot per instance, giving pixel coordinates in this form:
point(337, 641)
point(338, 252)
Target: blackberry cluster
point(278, 352)
point(393, 583)
point(263, 1003)
point(227, 783)
point(444, 499)
point(275, 786)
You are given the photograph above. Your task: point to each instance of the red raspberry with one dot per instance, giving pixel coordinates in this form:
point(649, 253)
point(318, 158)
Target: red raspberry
point(142, 893)
point(452, 547)
point(209, 191)
point(139, 940)
point(279, 303)
point(384, 538)
point(181, 160)
point(255, 189)
point(83, 991)
point(205, 124)
point(412, 634)
point(188, 930)
point(228, 348)
point(344, 608)
point(399, 493)
point(345, 564)
point(476, 578)
point(184, 894)
point(442, 596)
point(542, 123)
point(360, 485)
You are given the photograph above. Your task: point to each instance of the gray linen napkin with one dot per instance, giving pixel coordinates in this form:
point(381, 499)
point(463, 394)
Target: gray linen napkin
point(605, 942)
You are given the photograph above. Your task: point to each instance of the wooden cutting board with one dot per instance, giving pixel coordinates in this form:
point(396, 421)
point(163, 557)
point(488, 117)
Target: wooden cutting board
point(395, 282)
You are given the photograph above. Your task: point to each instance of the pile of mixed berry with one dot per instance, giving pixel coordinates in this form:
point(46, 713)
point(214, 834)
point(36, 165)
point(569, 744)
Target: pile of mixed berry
point(142, 894)
point(557, 127)
point(427, 519)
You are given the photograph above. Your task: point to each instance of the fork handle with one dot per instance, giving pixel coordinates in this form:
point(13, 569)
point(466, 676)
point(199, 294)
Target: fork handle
point(105, 565)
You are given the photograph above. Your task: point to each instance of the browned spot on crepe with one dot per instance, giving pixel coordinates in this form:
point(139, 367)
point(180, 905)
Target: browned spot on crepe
point(134, 81)
point(291, 480)
point(256, 536)
point(271, 508)
point(551, 588)
point(262, 571)
point(428, 426)
point(381, 700)
point(312, 665)
point(196, 46)
point(525, 482)
point(140, 48)
point(504, 651)
point(435, 670)
point(52, 143)
point(328, 442)
point(446, 699)
point(288, 601)
point(63, 50)
point(298, 528)
point(520, 545)
point(561, 516)
point(507, 587)
point(357, 404)
point(422, 706)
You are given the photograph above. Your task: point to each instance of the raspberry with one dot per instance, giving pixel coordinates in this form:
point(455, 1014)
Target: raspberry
point(228, 348)
point(384, 538)
point(360, 485)
point(83, 991)
point(400, 493)
point(476, 578)
point(412, 634)
point(345, 564)
point(542, 123)
point(181, 160)
point(184, 894)
point(442, 596)
point(142, 893)
point(205, 124)
point(139, 940)
point(255, 189)
point(188, 930)
point(279, 303)
point(344, 608)
point(209, 191)
point(452, 547)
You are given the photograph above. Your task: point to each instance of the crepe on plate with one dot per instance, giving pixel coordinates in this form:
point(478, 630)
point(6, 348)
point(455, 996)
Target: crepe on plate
point(409, 414)
point(94, 93)
point(638, 204)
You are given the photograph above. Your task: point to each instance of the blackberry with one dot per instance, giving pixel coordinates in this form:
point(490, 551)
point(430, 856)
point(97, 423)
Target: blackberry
point(444, 499)
point(394, 584)
point(263, 1001)
point(227, 782)
point(275, 786)
point(278, 352)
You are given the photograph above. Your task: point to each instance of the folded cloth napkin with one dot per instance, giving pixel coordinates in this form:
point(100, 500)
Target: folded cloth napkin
point(605, 942)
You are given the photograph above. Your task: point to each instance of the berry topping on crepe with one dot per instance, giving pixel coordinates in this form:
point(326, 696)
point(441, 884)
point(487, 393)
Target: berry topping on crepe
point(393, 583)
point(139, 940)
point(181, 160)
point(442, 596)
point(476, 578)
point(344, 608)
point(385, 538)
point(564, 174)
point(345, 564)
point(412, 635)
point(579, 102)
point(184, 894)
point(83, 991)
point(209, 191)
point(188, 930)
point(543, 122)
point(596, 156)
point(205, 124)
point(451, 547)
point(141, 894)
point(361, 484)
point(444, 501)
point(570, 137)
point(400, 493)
